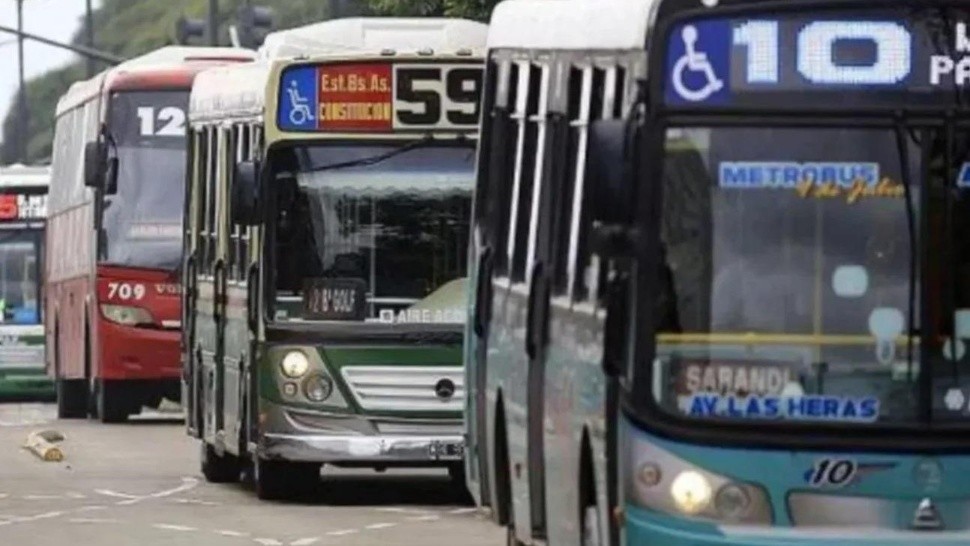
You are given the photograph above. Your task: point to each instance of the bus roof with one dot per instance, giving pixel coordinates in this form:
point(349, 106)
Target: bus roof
point(571, 24)
point(24, 176)
point(401, 34)
point(229, 91)
point(166, 67)
point(240, 90)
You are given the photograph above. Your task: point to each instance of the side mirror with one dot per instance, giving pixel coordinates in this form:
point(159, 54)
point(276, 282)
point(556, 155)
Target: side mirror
point(95, 163)
point(245, 193)
point(609, 175)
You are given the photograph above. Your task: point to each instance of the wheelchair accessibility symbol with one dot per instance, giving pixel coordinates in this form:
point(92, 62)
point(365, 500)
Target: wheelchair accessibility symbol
point(300, 111)
point(694, 62)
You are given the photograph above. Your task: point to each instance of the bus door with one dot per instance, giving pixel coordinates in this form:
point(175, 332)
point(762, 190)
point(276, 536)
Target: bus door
point(220, 272)
point(190, 271)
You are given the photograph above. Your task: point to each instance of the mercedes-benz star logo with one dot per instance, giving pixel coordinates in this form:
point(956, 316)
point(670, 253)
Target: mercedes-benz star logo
point(444, 389)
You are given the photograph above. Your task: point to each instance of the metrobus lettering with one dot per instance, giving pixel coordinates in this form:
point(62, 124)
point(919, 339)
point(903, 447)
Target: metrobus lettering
point(945, 65)
point(755, 175)
point(808, 407)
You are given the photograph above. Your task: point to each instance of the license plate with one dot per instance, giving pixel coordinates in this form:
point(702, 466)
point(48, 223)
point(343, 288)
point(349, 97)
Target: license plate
point(447, 450)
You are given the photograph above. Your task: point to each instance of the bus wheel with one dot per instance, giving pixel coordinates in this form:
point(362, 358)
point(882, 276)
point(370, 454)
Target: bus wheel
point(111, 409)
point(219, 468)
point(278, 480)
point(72, 400)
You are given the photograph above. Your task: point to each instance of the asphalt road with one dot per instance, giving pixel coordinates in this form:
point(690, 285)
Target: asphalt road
point(139, 483)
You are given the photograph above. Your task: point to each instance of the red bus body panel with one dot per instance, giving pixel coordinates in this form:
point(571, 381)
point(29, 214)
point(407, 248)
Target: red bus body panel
point(140, 352)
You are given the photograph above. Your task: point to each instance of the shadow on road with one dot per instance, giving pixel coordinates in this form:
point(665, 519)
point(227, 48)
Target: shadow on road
point(374, 489)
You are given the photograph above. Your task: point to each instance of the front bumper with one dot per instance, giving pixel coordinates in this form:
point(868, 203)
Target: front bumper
point(293, 434)
point(644, 528)
point(321, 448)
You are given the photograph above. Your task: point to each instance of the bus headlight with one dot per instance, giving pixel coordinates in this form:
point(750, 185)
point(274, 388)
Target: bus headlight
point(318, 387)
point(294, 364)
point(660, 481)
point(126, 315)
point(691, 491)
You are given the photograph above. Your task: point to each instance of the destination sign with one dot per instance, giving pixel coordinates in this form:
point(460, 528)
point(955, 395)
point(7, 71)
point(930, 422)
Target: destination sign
point(22, 207)
point(800, 61)
point(334, 299)
point(380, 97)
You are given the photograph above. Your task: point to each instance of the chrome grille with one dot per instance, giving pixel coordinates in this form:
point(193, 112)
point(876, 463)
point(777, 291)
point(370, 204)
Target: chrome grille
point(15, 356)
point(422, 429)
point(404, 388)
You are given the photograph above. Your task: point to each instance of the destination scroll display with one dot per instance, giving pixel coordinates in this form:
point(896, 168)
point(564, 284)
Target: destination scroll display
point(334, 299)
point(380, 97)
point(795, 60)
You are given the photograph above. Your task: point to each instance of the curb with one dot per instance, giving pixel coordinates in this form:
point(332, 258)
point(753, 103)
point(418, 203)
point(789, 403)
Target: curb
point(41, 443)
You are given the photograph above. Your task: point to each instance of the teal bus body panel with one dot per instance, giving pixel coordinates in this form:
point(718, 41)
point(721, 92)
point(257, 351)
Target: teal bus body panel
point(781, 473)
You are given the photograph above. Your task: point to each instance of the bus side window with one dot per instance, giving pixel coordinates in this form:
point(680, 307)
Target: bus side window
point(587, 267)
point(502, 170)
point(520, 219)
point(570, 204)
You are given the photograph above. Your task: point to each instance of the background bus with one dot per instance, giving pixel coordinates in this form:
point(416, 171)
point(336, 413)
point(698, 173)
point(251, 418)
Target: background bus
point(326, 328)
point(115, 233)
point(23, 213)
point(540, 415)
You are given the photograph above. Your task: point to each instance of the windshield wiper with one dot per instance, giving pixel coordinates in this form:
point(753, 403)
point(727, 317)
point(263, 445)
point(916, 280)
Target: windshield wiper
point(428, 140)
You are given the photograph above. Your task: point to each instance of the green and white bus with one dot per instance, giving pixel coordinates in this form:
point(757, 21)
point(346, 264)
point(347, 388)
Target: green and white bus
point(23, 213)
point(327, 229)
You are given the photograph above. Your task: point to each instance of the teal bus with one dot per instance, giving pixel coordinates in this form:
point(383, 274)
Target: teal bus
point(23, 214)
point(720, 273)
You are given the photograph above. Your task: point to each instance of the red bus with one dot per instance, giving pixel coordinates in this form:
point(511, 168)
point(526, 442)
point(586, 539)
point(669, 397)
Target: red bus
point(114, 237)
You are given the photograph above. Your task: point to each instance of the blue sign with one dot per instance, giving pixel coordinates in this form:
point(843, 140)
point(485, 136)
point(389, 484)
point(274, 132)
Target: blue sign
point(963, 179)
point(796, 408)
point(298, 100)
point(803, 60)
point(698, 63)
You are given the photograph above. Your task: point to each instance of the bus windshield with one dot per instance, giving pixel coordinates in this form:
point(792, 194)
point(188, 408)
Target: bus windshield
point(382, 240)
point(143, 220)
point(18, 276)
point(788, 262)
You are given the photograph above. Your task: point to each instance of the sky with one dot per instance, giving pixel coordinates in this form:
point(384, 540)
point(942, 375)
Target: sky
point(54, 19)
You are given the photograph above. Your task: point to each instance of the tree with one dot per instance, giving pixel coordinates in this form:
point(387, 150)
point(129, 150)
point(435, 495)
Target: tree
point(139, 26)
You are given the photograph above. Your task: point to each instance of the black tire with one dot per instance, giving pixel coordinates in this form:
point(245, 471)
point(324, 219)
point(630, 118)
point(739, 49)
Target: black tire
point(456, 473)
point(279, 480)
point(219, 468)
point(72, 399)
point(111, 407)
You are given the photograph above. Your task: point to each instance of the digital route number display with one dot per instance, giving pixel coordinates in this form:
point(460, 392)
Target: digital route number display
point(379, 97)
point(18, 207)
point(800, 60)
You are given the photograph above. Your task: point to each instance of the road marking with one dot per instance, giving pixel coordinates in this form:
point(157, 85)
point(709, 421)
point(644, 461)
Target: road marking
point(196, 502)
point(91, 508)
point(398, 510)
point(170, 527)
point(380, 525)
point(268, 541)
point(305, 541)
point(227, 533)
point(92, 520)
point(109, 493)
point(463, 510)
point(43, 497)
point(425, 518)
point(343, 532)
point(3, 495)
